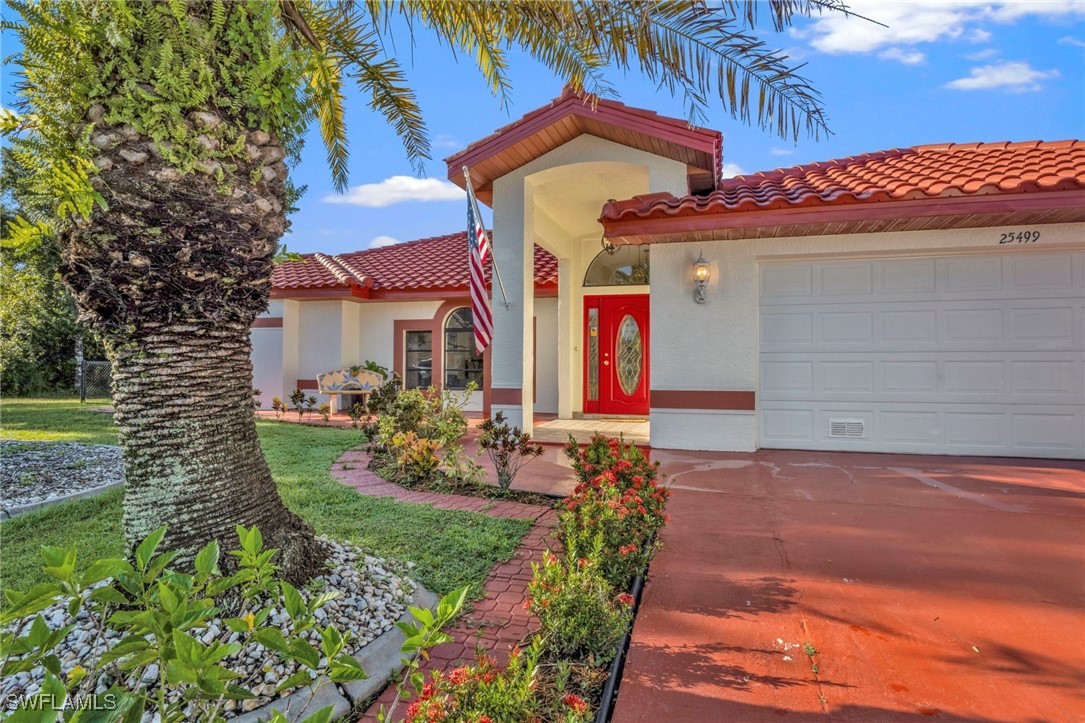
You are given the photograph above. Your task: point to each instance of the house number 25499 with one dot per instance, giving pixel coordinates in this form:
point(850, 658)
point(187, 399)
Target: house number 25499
point(1019, 237)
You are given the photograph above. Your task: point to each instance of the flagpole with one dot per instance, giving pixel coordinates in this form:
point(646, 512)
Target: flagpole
point(493, 254)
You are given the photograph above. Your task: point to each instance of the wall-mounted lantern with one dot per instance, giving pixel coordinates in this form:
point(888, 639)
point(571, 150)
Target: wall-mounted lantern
point(702, 272)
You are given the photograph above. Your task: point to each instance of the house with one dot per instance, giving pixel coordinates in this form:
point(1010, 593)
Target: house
point(927, 299)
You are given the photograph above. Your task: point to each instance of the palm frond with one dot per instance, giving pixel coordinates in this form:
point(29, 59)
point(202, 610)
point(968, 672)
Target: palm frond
point(325, 84)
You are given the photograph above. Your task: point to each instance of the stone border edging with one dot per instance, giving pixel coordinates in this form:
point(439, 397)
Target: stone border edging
point(380, 659)
point(13, 512)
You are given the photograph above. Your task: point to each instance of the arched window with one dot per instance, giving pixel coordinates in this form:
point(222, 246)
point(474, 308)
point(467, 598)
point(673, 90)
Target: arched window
point(624, 266)
point(462, 363)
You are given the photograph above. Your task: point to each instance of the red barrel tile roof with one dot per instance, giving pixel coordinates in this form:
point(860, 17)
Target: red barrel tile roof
point(433, 263)
point(921, 172)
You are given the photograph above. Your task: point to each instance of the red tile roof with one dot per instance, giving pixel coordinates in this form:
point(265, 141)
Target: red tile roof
point(435, 263)
point(922, 172)
point(570, 115)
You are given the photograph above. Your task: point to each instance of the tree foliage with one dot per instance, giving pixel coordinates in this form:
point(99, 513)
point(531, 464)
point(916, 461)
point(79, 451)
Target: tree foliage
point(38, 318)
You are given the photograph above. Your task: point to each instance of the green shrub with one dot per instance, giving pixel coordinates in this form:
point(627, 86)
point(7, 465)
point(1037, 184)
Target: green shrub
point(158, 619)
point(618, 501)
point(160, 615)
point(484, 694)
point(579, 619)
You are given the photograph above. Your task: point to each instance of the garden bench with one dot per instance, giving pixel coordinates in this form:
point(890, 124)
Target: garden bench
point(353, 381)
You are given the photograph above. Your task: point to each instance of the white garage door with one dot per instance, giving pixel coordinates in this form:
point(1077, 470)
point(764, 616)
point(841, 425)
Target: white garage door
point(967, 354)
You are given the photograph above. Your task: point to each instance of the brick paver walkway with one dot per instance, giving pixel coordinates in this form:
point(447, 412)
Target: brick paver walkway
point(498, 622)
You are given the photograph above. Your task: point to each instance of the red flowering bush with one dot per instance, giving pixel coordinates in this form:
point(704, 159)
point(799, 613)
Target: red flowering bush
point(578, 620)
point(619, 499)
point(484, 694)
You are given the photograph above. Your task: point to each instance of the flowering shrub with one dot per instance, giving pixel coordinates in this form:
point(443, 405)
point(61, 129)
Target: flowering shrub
point(484, 694)
point(578, 620)
point(619, 500)
point(579, 599)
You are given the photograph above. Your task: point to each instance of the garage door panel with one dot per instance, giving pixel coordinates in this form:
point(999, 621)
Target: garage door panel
point(1048, 433)
point(846, 278)
point(847, 377)
point(1020, 275)
point(954, 377)
point(845, 327)
point(992, 325)
point(969, 354)
point(967, 429)
point(908, 276)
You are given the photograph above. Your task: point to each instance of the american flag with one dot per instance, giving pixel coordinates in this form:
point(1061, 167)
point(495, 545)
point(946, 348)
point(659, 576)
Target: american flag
point(478, 251)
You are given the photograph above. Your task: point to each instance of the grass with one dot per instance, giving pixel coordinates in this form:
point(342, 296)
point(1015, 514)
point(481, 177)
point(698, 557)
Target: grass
point(56, 420)
point(449, 549)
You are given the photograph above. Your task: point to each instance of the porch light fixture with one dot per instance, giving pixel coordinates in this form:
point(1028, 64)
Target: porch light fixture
point(702, 272)
point(604, 241)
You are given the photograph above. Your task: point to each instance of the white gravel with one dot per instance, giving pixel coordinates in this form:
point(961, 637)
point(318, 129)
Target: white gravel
point(40, 471)
point(372, 596)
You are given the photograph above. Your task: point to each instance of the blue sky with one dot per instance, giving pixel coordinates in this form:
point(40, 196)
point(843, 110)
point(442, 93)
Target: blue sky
point(941, 72)
point(951, 71)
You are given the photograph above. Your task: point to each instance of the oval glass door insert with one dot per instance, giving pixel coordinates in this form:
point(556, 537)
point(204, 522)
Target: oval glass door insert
point(628, 354)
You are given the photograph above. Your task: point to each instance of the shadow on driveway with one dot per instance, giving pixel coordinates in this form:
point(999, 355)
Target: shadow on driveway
point(929, 587)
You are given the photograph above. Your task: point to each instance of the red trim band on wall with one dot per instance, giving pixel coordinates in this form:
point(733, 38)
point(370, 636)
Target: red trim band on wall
point(506, 396)
point(307, 384)
point(268, 322)
point(687, 399)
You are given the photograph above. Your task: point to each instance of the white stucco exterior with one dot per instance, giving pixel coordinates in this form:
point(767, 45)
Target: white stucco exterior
point(715, 346)
point(554, 202)
point(708, 363)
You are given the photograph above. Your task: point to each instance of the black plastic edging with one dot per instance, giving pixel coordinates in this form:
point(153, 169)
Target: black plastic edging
point(617, 666)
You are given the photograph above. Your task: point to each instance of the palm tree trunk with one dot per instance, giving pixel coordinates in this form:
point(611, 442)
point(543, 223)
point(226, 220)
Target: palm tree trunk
point(183, 400)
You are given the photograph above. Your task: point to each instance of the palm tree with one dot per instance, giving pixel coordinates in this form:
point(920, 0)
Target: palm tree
point(161, 134)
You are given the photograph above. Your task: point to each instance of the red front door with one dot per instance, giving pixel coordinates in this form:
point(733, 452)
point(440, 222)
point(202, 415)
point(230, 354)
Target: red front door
point(616, 354)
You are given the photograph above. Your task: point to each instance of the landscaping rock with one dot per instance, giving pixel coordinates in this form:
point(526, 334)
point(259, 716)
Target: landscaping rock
point(32, 473)
point(356, 572)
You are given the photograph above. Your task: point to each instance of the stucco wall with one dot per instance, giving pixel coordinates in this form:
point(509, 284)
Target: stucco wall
point(267, 364)
point(546, 355)
point(376, 323)
point(554, 201)
point(714, 346)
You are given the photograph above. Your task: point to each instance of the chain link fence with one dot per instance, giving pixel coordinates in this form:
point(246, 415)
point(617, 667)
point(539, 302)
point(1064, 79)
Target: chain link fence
point(95, 380)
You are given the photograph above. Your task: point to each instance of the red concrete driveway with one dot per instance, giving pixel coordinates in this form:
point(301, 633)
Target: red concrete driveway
point(930, 587)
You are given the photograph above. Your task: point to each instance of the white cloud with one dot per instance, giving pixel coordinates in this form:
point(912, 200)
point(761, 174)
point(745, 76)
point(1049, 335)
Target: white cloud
point(1071, 40)
point(908, 57)
point(1016, 77)
point(444, 141)
point(982, 54)
point(920, 21)
point(399, 189)
point(732, 169)
point(382, 241)
point(781, 151)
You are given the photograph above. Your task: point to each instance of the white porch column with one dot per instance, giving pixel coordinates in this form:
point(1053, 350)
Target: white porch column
point(291, 345)
point(513, 344)
point(568, 339)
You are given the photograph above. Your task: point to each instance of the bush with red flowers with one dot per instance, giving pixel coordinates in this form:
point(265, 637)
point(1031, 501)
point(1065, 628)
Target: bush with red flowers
point(619, 498)
point(579, 619)
point(484, 694)
point(580, 598)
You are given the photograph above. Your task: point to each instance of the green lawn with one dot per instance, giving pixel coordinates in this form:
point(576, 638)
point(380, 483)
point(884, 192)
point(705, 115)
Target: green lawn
point(450, 549)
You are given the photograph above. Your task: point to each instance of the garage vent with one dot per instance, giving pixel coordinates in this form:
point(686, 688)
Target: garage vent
point(847, 428)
